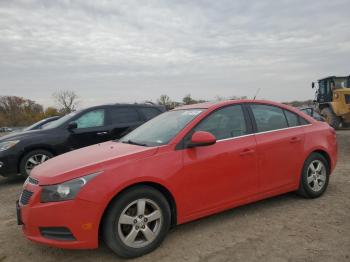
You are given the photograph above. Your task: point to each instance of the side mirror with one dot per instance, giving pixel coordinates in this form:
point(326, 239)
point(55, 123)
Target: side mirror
point(202, 138)
point(72, 125)
point(313, 84)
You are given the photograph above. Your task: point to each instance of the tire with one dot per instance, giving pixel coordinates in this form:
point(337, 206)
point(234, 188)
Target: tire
point(38, 156)
point(314, 183)
point(331, 118)
point(115, 231)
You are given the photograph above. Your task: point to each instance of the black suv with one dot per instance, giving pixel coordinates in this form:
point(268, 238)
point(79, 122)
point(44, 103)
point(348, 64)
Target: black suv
point(21, 152)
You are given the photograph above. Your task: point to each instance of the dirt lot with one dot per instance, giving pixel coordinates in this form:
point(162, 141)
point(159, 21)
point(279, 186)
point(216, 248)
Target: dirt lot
point(284, 228)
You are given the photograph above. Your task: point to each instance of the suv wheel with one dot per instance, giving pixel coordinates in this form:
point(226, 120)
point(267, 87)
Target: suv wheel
point(32, 159)
point(136, 222)
point(315, 176)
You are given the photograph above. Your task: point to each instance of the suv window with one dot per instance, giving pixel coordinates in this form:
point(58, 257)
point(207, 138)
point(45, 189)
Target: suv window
point(268, 117)
point(121, 115)
point(292, 118)
point(93, 118)
point(149, 112)
point(224, 123)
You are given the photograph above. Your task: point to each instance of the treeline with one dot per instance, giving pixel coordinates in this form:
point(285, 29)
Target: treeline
point(19, 111)
point(165, 100)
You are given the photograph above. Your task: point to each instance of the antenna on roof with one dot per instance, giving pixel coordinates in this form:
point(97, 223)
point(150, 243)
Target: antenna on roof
point(257, 92)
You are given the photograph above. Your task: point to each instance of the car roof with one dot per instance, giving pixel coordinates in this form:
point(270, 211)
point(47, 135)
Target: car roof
point(210, 105)
point(120, 105)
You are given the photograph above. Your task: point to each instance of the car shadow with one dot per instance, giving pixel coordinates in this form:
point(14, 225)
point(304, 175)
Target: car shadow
point(13, 180)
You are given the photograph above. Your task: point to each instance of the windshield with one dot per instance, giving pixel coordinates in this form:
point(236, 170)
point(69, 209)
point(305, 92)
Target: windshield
point(60, 121)
point(33, 126)
point(161, 129)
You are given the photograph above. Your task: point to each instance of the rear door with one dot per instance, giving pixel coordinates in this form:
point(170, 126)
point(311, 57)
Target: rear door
point(280, 142)
point(122, 120)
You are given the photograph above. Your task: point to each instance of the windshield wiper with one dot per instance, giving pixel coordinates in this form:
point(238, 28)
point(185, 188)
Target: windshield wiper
point(134, 143)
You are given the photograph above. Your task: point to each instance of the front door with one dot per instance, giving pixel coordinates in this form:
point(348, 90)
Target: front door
point(217, 175)
point(91, 129)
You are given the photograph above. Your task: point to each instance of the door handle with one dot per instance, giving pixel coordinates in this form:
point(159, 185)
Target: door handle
point(247, 151)
point(101, 133)
point(295, 139)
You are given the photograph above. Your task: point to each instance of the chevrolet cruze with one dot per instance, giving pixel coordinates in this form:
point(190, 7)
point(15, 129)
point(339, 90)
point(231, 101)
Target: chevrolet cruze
point(185, 164)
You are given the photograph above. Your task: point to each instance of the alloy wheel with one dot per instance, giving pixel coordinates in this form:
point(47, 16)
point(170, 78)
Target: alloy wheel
point(140, 223)
point(35, 160)
point(316, 175)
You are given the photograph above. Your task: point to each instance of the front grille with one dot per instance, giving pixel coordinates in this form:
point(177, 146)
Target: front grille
point(32, 181)
point(25, 197)
point(347, 99)
point(57, 233)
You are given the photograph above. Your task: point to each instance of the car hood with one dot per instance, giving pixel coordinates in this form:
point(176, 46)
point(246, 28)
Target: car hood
point(88, 160)
point(22, 135)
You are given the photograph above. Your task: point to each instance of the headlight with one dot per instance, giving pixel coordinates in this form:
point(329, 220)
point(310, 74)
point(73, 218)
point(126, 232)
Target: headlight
point(65, 191)
point(7, 144)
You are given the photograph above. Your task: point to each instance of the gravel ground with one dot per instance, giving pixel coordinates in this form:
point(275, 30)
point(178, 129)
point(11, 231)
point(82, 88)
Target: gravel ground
point(284, 228)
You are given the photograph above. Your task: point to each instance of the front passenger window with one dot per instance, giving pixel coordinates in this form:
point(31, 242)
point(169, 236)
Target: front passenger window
point(91, 119)
point(224, 123)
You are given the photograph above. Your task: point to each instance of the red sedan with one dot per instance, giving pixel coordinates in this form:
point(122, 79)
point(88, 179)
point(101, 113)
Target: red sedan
point(185, 164)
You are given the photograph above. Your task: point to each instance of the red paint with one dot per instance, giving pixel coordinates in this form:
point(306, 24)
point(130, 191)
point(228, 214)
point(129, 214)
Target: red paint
point(203, 138)
point(202, 180)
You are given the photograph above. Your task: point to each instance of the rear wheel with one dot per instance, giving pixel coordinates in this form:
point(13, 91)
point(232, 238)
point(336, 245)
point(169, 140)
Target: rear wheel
point(315, 176)
point(32, 159)
point(331, 118)
point(136, 222)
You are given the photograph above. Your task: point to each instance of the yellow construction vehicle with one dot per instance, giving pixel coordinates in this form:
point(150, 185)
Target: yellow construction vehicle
point(333, 100)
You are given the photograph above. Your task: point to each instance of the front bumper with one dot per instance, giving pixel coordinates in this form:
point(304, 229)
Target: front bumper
point(80, 217)
point(8, 163)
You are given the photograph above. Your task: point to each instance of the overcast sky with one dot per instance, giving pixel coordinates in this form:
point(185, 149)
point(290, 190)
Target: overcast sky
point(126, 51)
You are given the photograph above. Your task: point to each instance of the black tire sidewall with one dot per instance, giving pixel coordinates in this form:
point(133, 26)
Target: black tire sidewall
point(110, 230)
point(28, 155)
point(306, 188)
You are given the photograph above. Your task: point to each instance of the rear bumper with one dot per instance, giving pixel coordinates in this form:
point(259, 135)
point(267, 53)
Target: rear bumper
point(79, 217)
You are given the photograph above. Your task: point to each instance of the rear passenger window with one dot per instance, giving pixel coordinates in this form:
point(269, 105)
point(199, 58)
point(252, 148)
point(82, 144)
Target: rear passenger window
point(268, 117)
point(123, 115)
point(150, 112)
point(291, 118)
point(225, 123)
point(303, 121)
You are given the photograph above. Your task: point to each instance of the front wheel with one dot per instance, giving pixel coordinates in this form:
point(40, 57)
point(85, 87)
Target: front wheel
point(314, 177)
point(32, 159)
point(136, 222)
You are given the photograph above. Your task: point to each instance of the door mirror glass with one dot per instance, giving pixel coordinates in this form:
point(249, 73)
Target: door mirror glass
point(313, 84)
point(202, 138)
point(72, 125)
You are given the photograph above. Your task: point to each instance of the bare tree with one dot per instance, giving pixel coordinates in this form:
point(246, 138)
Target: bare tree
point(165, 101)
point(67, 101)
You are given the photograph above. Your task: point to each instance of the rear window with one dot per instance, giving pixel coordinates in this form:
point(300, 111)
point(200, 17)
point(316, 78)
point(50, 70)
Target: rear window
point(149, 112)
point(120, 115)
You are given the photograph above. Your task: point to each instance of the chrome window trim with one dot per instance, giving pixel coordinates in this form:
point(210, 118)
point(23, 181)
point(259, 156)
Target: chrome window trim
point(264, 132)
